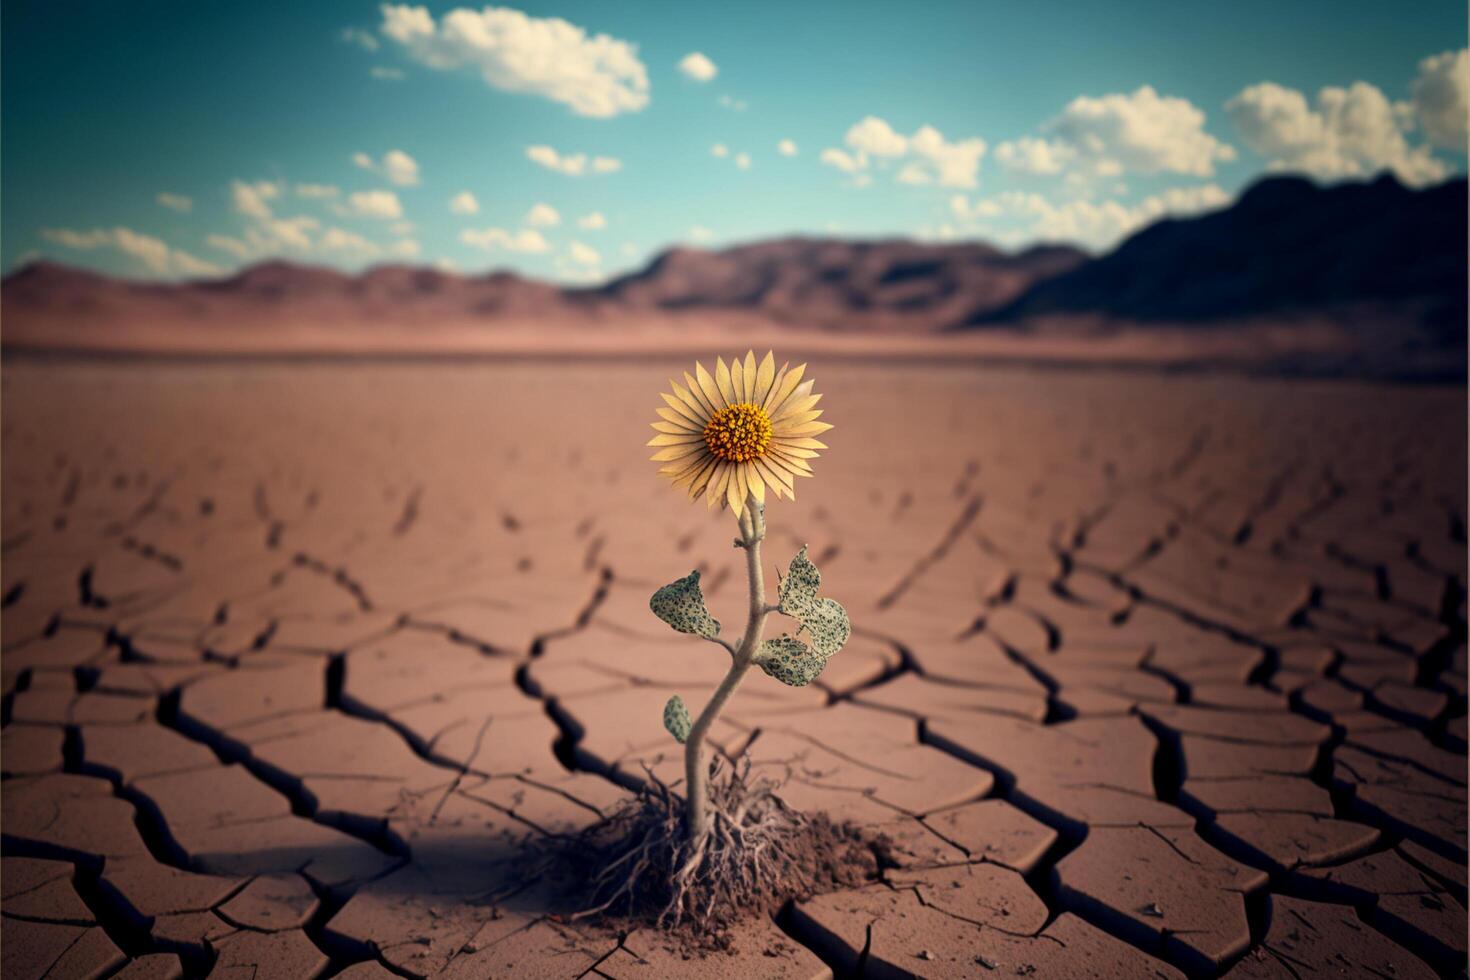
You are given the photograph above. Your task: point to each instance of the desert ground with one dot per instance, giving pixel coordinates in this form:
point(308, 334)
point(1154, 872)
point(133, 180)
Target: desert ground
point(1152, 675)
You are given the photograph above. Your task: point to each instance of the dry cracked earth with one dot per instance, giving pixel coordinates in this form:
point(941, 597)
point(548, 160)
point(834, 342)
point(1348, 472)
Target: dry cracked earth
point(1151, 676)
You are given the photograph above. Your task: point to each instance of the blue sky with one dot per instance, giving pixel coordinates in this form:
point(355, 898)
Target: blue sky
point(183, 139)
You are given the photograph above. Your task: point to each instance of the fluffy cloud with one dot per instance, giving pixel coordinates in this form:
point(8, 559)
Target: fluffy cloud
point(875, 137)
point(542, 216)
point(698, 67)
point(337, 240)
point(385, 74)
point(250, 198)
point(363, 39)
point(405, 248)
point(742, 160)
point(701, 234)
point(397, 166)
point(1143, 132)
point(926, 156)
point(573, 165)
point(234, 246)
point(583, 254)
point(175, 202)
point(1349, 132)
point(155, 255)
point(1442, 99)
point(719, 150)
point(734, 104)
point(595, 75)
point(1097, 224)
point(316, 191)
point(374, 204)
point(787, 148)
point(464, 203)
point(592, 222)
point(1034, 156)
point(490, 239)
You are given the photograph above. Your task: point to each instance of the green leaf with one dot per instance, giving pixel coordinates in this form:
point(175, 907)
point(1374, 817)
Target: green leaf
point(676, 719)
point(799, 587)
point(790, 661)
point(681, 605)
point(827, 624)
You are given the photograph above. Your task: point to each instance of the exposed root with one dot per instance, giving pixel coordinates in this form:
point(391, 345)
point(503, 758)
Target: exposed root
point(758, 855)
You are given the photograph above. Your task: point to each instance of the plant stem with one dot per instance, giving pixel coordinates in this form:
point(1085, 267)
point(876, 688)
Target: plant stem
point(696, 772)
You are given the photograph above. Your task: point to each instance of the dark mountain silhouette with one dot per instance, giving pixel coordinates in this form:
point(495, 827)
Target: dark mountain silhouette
point(1286, 246)
point(831, 283)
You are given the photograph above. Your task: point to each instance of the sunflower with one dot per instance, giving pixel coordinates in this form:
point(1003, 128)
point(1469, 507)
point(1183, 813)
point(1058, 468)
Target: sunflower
point(732, 434)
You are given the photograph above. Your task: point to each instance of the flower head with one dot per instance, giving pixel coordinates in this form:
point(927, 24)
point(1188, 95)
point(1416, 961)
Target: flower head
point(732, 434)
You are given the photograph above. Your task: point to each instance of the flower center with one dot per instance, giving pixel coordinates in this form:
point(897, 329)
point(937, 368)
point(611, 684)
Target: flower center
point(738, 433)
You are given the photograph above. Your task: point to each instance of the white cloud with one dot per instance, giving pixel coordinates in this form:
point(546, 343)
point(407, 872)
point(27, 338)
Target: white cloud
point(1442, 99)
point(338, 240)
point(595, 75)
point(316, 191)
point(1097, 224)
point(1034, 156)
point(250, 198)
point(155, 255)
point(592, 222)
point(927, 157)
point(628, 249)
point(742, 160)
point(174, 202)
point(234, 246)
point(274, 234)
point(734, 104)
point(402, 228)
point(397, 166)
point(786, 148)
point(363, 39)
point(374, 204)
point(464, 203)
point(583, 254)
point(574, 164)
point(405, 248)
point(385, 74)
point(848, 163)
point(699, 233)
point(1143, 132)
point(719, 150)
point(698, 67)
point(490, 239)
point(875, 137)
point(1349, 132)
point(542, 216)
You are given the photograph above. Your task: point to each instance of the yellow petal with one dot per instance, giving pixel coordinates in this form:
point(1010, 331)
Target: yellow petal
point(796, 406)
point(775, 474)
point(795, 419)
point(764, 376)
point(683, 421)
point(716, 486)
point(708, 387)
point(805, 429)
point(697, 475)
point(798, 442)
point(677, 452)
point(722, 380)
point(798, 393)
point(750, 372)
point(754, 484)
point(683, 439)
point(733, 496)
point(737, 379)
point(781, 391)
point(686, 405)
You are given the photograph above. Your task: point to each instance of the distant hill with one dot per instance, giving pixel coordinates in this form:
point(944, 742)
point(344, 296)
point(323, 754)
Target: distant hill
point(1286, 247)
point(899, 284)
point(1361, 278)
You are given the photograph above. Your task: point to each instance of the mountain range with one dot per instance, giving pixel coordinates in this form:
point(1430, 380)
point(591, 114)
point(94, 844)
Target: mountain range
point(1357, 272)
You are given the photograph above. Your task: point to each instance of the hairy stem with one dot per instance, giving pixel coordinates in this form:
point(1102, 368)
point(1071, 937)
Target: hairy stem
point(696, 771)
